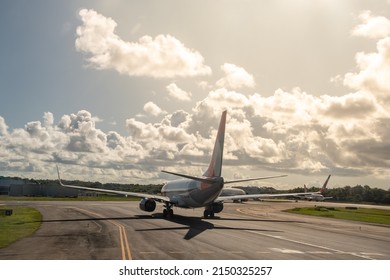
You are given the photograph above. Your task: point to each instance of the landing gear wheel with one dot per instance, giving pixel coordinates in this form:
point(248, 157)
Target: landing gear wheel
point(167, 212)
point(208, 214)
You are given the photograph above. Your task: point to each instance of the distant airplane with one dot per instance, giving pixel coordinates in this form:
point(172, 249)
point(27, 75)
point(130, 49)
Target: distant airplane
point(193, 192)
point(233, 191)
point(317, 196)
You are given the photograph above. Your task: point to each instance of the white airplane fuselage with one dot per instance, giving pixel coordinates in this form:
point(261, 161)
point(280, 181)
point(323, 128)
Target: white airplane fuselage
point(316, 197)
point(187, 193)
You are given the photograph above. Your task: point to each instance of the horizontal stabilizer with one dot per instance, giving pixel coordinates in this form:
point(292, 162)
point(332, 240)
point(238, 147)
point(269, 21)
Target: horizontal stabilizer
point(200, 179)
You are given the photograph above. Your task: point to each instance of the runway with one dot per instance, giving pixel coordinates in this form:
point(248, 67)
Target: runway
point(252, 230)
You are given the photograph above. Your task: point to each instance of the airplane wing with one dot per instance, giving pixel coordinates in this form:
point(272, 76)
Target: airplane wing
point(253, 179)
point(140, 195)
point(253, 196)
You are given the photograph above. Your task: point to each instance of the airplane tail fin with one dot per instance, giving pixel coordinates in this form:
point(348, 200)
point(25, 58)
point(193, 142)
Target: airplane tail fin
point(322, 190)
point(215, 166)
point(304, 186)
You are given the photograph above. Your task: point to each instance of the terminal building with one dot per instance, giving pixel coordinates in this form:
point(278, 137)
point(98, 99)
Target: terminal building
point(18, 187)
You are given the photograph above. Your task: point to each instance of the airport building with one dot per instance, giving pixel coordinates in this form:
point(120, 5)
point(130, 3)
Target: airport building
point(17, 187)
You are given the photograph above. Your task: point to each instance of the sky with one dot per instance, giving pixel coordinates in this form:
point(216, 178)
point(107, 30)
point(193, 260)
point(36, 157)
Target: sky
point(116, 91)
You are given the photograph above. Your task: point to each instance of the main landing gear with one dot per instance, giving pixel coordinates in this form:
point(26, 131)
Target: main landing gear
point(208, 213)
point(211, 209)
point(168, 212)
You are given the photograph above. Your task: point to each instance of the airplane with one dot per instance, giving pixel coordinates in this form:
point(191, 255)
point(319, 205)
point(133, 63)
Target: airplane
point(192, 191)
point(317, 196)
point(233, 191)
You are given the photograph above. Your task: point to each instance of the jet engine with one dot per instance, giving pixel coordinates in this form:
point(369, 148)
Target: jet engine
point(147, 205)
point(216, 207)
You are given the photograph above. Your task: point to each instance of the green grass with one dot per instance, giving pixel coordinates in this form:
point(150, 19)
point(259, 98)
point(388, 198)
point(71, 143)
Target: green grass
point(23, 222)
point(369, 215)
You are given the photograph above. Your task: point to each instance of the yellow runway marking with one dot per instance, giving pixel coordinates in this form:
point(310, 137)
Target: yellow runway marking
point(125, 248)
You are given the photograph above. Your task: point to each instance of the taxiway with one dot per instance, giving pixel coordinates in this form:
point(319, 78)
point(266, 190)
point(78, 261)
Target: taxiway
point(252, 230)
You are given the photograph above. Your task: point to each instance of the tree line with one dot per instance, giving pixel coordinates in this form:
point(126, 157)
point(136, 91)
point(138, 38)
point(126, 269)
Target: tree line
point(356, 194)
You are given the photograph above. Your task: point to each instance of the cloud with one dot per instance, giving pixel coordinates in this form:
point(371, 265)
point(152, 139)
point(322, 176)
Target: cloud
point(140, 130)
point(3, 127)
point(235, 77)
point(152, 109)
point(373, 68)
point(352, 105)
point(161, 57)
point(373, 72)
point(177, 93)
point(224, 97)
point(372, 26)
point(288, 130)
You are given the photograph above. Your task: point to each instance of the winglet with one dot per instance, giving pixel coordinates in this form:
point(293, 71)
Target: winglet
point(59, 177)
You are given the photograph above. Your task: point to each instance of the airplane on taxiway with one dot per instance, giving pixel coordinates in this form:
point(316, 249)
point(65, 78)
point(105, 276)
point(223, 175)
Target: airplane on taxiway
point(232, 192)
point(192, 191)
point(316, 196)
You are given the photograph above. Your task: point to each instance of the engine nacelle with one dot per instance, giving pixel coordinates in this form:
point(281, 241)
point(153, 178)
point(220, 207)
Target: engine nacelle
point(147, 205)
point(216, 207)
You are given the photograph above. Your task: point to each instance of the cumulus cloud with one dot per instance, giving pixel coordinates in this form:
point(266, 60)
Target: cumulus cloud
point(235, 77)
point(373, 72)
point(152, 109)
point(224, 97)
point(3, 127)
point(288, 130)
point(177, 93)
point(372, 26)
point(373, 69)
point(161, 57)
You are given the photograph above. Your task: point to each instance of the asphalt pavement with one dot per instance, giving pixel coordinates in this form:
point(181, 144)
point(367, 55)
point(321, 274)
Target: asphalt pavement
point(252, 230)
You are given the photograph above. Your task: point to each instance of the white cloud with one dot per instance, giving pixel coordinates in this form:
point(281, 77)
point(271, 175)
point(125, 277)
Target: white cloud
point(140, 130)
point(161, 57)
point(289, 130)
point(48, 119)
point(3, 127)
point(228, 99)
point(374, 72)
point(177, 93)
point(235, 77)
point(372, 26)
point(152, 109)
point(352, 105)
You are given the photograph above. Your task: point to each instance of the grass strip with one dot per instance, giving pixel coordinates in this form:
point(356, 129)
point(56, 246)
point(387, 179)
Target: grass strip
point(23, 222)
point(369, 215)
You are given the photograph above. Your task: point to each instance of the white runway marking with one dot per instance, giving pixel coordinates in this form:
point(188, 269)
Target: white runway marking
point(319, 252)
point(286, 251)
point(364, 256)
